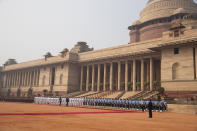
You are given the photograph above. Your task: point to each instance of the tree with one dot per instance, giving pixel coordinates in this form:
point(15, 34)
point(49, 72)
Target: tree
point(9, 92)
point(130, 84)
point(158, 97)
point(30, 92)
point(45, 92)
point(161, 90)
point(156, 85)
point(18, 92)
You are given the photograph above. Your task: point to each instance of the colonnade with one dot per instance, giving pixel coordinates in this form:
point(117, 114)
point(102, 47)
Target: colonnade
point(127, 75)
point(21, 78)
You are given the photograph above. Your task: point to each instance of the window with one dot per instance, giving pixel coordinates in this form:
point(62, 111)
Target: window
point(176, 51)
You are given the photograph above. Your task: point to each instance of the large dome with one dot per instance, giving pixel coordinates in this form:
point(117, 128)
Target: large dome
point(164, 8)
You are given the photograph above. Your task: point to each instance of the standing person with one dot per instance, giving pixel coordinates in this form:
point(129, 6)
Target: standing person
point(150, 106)
point(60, 101)
point(67, 101)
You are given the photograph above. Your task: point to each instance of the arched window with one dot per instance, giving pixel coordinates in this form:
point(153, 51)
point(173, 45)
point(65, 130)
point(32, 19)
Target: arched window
point(61, 78)
point(43, 80)
point(175, 67)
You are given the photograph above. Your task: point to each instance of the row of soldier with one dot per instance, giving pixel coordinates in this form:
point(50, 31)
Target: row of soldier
point(126, 104)
point(115, 103)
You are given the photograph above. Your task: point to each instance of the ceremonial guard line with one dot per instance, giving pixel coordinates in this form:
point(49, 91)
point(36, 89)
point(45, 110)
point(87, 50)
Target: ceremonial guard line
point(158, 106)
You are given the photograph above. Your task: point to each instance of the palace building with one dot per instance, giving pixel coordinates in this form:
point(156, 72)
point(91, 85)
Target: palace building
point(162, 52)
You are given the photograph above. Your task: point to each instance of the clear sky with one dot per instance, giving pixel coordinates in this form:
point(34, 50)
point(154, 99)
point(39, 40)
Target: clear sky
point(30, 28)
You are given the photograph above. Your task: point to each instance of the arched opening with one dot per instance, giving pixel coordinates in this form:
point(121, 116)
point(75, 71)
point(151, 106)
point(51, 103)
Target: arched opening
point(43, 80)
point(61, 78)
point(175, 67)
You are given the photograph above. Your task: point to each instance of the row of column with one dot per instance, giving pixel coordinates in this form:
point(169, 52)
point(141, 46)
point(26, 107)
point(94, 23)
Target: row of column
point(133, 76)
point(22, 78)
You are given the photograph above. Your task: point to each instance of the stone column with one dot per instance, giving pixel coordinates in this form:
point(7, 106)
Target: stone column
point(148, 72)
point(81, 79)
point(32, 83)
point(134, 75)
point(119, 75)
point(11, 76)
point(142, 75)
point(98, 77)
point(14, 81)
point(6, 77)
point(87, 78)
point(22, 79)
point(30, 79)
point(104, 77)
point(35, 77)
point(151, 74)
point(20, 73)
point(8, 80)
point(111, 76)
point(4, 80)
point(33, 74)
point(93, 76)
point(38, 77)
point(11, 79)
point(126, 75)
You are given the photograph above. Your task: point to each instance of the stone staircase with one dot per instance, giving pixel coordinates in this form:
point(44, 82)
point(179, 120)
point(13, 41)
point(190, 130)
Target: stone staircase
point(87, 94)
point(120, 95)
point(114, 95)
point(149, 95)
point(128, 94)
point(74, 94)
point(93, 95)
point(103, 94)
point(136, 96)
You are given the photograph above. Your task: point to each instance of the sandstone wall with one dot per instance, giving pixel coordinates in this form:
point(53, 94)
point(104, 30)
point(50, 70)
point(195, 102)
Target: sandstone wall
point(184, 60)
point(188, 109)
point(73, 79)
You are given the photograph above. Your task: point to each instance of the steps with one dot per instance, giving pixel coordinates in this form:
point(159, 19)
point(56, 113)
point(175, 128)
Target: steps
point(87, 94)
point(114, 95)
point(103, 94)
point(120, 95)
point(136, 95)
point(150, 95)
point(74, 94)
point(128, 94)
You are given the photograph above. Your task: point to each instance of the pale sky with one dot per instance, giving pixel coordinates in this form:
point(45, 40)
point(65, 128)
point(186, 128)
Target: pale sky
point(30, 28)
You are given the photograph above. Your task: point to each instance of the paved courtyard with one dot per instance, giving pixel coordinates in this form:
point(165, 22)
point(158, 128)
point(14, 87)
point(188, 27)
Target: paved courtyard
point(31, 117)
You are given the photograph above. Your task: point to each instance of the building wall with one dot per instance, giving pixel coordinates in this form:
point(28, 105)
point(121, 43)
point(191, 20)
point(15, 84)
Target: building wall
point(184, 78)
point(196, 61)
point(153, 31)
point(61, 70)
point(44, 71)
point(73, 79)
point(180, 85)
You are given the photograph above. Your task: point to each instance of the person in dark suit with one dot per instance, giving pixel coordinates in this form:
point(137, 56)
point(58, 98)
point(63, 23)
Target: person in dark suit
point(60, 101)
point(150, 106)
point(67, 101)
